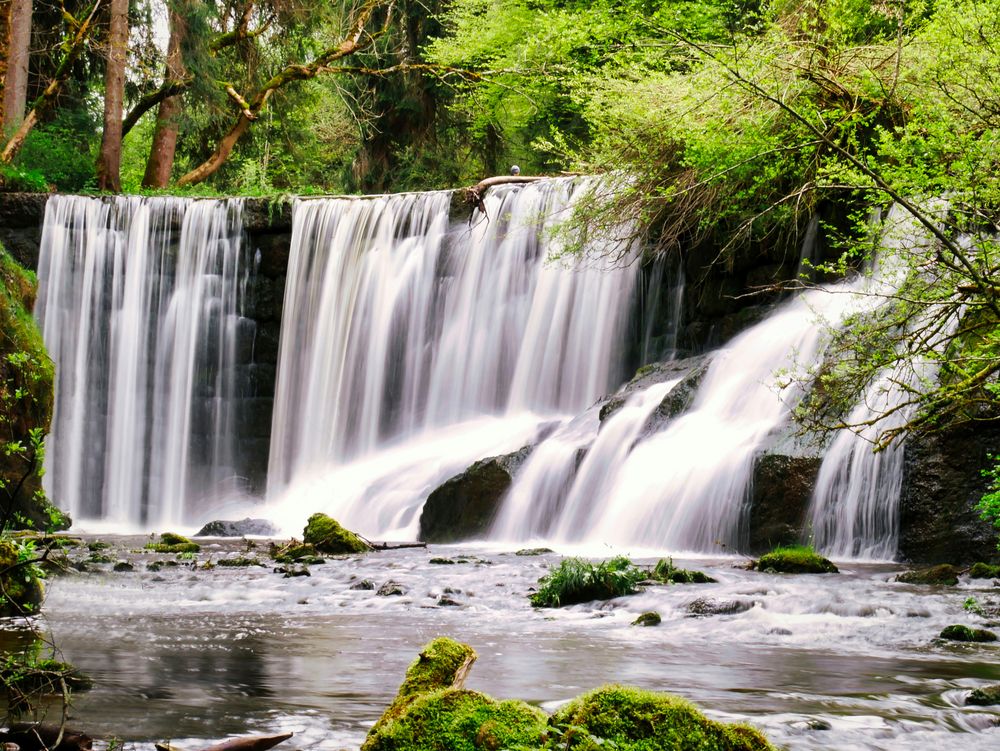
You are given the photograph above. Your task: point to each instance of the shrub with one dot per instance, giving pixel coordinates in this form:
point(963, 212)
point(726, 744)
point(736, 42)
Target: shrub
point(577, 580)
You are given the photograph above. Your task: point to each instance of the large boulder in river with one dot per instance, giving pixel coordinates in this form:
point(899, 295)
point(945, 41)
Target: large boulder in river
point(241, 528)
point(779, 499)
point(465, 506)
point(942, 483)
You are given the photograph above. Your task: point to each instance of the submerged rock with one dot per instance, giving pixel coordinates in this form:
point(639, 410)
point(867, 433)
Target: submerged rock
point(241, 528)
point(984, 697)
point(391, 589)
point(704, 606)
point(327, 536)
point(534, 551)
point(944, 574)
point(173, 543)
point(121, 566)
point(665, 571)
point(465, 506)
point(794, 560)
point(964, 633)
point(365, 585)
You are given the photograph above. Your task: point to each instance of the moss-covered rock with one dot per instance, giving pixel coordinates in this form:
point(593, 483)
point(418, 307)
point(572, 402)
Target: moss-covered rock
point(327, 536)
point(240, 561)
point(799, 559)
point(296, 552)
point(22, 590)
point(984, 697)
point(27, 382)
point(984, 571)
point(943, 575)
point(666, 571)
point(651, 618)
point(432, 712)
point(631, 719)
point(173, 543)
point(959, 632)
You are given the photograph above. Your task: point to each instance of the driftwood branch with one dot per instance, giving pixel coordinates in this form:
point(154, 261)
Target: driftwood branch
point(251, 743)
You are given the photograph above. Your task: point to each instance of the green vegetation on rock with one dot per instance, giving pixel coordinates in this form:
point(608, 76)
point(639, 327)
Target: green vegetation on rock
point(648, 619)
point(432, 712)
point(631, 719)
point(576, 580)
point(798, 559)
point(984, 697)
point(20, 579)
point(666, 571)
point(984, 571)
point(173, 543)
point(944, 574)
point(964, 633)
point(327, 536)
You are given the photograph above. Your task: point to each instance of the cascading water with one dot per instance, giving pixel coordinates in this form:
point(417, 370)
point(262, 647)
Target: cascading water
point(400, 331)
point(139, 304)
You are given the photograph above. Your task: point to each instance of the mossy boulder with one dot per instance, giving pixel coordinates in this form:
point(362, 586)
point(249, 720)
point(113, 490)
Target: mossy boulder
point(958, 632)
point(22, 589)
point(984, 697)
point(943, 575)
point(327, 536)
point(798, 559)
point(984, 571)
point(296, 552)
point(27, 383)
point(665, 571)
point(173, 543)
point(432, 712)
point(651, 618)
point(631, 719)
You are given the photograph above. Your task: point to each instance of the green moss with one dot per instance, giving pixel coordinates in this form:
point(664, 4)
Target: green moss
point(665, 571)
point(797, 559)
point(327, 536)
point(958, 632)
point(297, 552)
point(984, 697)
point(534, 551)
point(576, 580)
point(984, 571)
point(631, 719)
point(239, 562)
point(460, 720)
point(27, 382)
point(651, 618)
point(22, 589)
point(183, 547)
point(173, 543)
point(939, 575)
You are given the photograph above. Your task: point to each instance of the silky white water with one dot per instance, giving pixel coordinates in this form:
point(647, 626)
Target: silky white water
point(139, 305)
point(398, 327)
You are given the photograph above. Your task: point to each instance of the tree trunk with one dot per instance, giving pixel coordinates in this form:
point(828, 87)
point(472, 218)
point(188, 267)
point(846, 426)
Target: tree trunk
point(161, 152)
point(110, 158)
point(15, 90)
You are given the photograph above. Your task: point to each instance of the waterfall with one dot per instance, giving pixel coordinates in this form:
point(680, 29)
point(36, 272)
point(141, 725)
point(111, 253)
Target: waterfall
point(139, 304)
point(398, 327)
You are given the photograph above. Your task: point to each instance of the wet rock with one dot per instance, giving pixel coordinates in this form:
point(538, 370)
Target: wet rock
point(100, 558)
point(984, 571)
point(447, 602)
point(442, 561)
point(534, 551)
point(941, 486)
point(292, 571)
point(241, 528)
point(465, 506)
point(780, 632)
point(121, 566)
point(794, 560)
point(705, 606)
point(364, 585)
point(984, 697)
point(690, 372)
point(779, 501)
point(651, 618)
point(173, 543)
point(295, 552)
point(811, 724)
point(964, 633)
point(98, 545)
point(665, 571)
point(240, 561)
point(391, 589)
point(940, 575)
point(327, 536)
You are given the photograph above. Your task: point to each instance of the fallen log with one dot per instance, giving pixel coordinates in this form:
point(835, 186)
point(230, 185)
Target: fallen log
point(251, 743)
